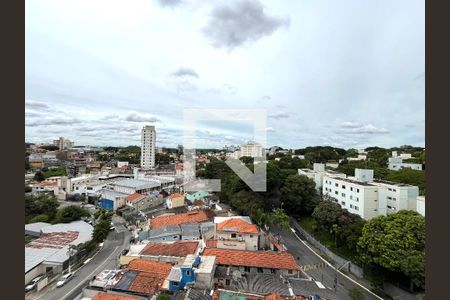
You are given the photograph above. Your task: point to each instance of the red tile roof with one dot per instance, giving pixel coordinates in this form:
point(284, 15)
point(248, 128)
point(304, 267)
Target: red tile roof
point(237, 225)
point(176, 195)
point(146, 283)
point(198, 202)
point(105, 296)
point(55, 240)
point(157, 269)
point(183, 218)
point(257, 259)
point(211, 243)
point(180, 248)
point(133, 197)
point(274, 241)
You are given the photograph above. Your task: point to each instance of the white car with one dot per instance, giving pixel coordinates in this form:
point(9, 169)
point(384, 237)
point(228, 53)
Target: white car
point(30, 286)
point(64, 279)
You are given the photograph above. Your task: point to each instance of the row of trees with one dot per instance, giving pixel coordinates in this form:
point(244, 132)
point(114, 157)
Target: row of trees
point(44, 208)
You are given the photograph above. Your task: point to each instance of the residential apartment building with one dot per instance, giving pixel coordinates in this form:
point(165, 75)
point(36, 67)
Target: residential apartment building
point(396, 162)
point(317, 174)
point(251, 149)
point(63, 143)
point(420, 205)
point(148, 145)
point(368, 198)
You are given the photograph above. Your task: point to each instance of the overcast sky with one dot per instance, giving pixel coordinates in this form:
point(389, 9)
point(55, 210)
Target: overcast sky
point(342, 73)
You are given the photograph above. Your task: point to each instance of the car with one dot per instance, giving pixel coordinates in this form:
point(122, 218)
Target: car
point(112, 228)
point(64, 279)
point(32, 284)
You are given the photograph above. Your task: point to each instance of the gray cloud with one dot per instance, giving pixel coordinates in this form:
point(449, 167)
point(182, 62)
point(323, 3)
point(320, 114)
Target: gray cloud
point(185, 72)
point(169, 3)
point(140, 117)
point(243, 21)
point(279, 115)
point(35, 105)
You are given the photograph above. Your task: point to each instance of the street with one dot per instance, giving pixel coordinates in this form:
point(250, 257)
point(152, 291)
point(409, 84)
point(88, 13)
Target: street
point(106, 258)
point(326, 275)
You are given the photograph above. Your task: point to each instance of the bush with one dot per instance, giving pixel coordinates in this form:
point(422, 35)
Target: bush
point(39, 218)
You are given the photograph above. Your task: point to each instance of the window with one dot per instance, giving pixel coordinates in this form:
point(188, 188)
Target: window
point(394, 199)
point(336, 192)
point(251, 235)
point(188, 273)
point(272, 271)
point(176, 283)
point(343, 202)
point(389, 198)
point(357, 199)
point(389, 189)
point(233, 235)
point(343, 195)
point(357, 190)
point(227, 281)
point(351, 188)
point(247, 269)
point(336, 184)
point(343, 186)
point(351, 205)
point(289, 271)
point(260, 270)
point(351, 197)
point(394, 190)
point(356, 207)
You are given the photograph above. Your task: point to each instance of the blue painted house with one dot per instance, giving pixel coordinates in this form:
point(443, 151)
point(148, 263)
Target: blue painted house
point(179, 277)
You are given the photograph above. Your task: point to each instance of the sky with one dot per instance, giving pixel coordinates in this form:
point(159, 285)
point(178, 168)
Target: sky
point(346, 73)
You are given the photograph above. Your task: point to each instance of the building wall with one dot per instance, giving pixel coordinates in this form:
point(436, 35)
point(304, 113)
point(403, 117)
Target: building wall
point(250, 240)
point(401, 165)
point(420, 206)
point(148, 145)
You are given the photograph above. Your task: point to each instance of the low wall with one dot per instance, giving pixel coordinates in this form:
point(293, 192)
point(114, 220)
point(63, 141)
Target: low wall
point(336, 260)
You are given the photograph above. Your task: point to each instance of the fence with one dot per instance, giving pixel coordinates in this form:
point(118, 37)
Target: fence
point(337, 261)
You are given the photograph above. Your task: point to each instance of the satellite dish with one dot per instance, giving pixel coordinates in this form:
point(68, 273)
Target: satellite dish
point(236, 275)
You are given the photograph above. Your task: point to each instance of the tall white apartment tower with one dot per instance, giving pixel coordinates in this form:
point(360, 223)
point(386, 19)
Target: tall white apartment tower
point(148, 145)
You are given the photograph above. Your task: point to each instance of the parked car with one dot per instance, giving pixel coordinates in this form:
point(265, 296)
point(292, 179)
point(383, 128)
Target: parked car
point(64, 279)
point(33, 283)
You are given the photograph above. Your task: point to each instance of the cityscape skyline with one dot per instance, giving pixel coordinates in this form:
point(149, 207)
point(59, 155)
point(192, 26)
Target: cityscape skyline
point(366, 92)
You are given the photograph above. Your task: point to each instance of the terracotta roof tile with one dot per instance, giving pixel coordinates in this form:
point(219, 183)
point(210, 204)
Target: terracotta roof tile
point(146, 283)
point(176, 195)
point(105, 296)
point(257, 259)
point(237, 225)
point(157, 269)
point(133, 197)
point(180, 248)
point(183, 218)
point(211, 243)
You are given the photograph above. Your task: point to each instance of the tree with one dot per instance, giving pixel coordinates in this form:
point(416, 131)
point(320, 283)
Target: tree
point(396, 242)
point(297, 191)
point(101, 231)
point(356, 294)
point(163, 297)
point(39, 218)
point(43, 204)
point(326, 214)
point(409, 176)
point(39, 176)
point(281, 218)
point(70, 213)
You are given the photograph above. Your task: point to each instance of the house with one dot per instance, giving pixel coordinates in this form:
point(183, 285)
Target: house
point(174, 200)
point(190, 231)
point(264, 262)
point(111, 200)
point(48, 254)
point(164, 234)
point(196, 271)
point(141, 278)
point(179, 248)
point(197, 196)
point(236, 233)
point(197, 216)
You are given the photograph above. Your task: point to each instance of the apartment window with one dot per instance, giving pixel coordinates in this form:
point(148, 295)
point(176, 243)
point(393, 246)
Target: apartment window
point(343, 202)
point(343, 195)
point(343, 186)
point(260, 270)
point(394, 190)
point(233, 235)
point(351, 197)
point(357, 190)
point(247, 269)
point(326, 181)
point(351, 205)
point(351, 188)
point(394, 199)
point(389, 189)
point(336, 184)
point(336, 192)
point(356, 207)
point(357, 199)
point(389, 198)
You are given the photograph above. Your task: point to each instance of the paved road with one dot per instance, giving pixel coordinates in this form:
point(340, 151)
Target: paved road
point(107, 258)
point(326, 275)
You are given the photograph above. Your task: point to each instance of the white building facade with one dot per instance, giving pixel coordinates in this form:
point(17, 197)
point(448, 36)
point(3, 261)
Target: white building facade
point(148, 145)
